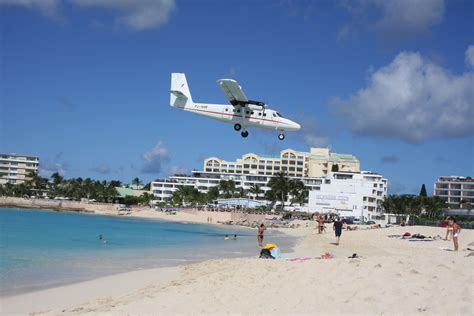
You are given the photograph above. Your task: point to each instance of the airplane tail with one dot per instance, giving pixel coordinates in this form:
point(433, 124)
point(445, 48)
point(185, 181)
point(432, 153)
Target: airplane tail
point(180, 96)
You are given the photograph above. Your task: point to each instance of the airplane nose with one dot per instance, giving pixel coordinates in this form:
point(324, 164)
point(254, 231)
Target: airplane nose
point(297, 126)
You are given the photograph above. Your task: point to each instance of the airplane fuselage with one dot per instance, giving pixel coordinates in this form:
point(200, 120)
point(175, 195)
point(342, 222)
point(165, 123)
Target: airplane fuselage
point(261, 118)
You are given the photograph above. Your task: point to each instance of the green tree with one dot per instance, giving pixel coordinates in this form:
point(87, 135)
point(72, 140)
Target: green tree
point(279, 184)
point(335, 168)
point(299, 192)
point(137, 182)
point(213, 194)
point(227, 187)
point(423, 191)
point(255, 190)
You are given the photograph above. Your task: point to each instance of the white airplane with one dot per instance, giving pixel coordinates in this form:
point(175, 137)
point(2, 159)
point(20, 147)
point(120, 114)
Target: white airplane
point(242, 112)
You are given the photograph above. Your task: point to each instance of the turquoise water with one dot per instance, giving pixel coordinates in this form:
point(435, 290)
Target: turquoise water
point(41, 249)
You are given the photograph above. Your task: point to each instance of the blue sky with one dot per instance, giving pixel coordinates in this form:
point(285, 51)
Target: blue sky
point(85, 84)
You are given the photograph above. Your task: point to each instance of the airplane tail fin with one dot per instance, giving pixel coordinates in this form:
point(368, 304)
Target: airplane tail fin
point(180, 96)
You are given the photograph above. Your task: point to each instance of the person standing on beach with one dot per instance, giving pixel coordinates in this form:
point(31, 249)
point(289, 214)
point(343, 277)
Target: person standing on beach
point(260, 232)
point(337, 227)
point(456, 231)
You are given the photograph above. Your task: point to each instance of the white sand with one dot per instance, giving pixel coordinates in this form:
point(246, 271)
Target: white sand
point(393, 277)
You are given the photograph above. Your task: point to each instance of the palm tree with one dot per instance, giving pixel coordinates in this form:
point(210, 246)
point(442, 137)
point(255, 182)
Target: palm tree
point(280, 186)
point(227, 187)
point(255, 190)
point(137, 182)
point(298, 191)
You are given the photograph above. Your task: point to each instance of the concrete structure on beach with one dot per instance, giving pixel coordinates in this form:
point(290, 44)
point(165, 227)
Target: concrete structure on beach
point(350, 194)
point(455, 190)
point(15, 169)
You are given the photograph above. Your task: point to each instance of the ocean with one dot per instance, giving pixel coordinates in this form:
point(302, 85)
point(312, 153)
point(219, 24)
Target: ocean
point(42, 249)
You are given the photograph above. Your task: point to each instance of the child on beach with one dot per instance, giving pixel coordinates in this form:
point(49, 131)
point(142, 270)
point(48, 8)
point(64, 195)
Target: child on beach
point(456, 231)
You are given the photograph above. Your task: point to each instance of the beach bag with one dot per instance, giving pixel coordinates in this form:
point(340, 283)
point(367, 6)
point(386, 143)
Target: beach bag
point(266, 254)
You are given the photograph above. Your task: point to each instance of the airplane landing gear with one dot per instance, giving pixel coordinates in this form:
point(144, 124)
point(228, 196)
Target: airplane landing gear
point(237, 127)
point(281, 136)
point(244, 134)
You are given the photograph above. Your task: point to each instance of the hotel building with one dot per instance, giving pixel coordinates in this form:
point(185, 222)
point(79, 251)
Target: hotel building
point(316, 163)
point(455, 190)
point(312, 168)
point(15, 169)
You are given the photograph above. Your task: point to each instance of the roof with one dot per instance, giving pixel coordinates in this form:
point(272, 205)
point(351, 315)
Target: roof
point(123, 192)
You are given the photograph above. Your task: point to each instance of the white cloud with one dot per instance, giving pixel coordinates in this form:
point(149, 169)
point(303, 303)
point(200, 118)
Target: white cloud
point(154, 158)
point(470, 56)
point(393, 20)
point(411, 99)
point(137, 15)
point(49, 8)
point(312, 133)
point(47, 167)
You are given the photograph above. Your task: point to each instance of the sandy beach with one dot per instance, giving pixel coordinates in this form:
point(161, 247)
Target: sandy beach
point(391, 277)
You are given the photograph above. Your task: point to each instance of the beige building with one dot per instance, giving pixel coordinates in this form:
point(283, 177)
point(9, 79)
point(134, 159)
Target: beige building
point(455, 190)
point(315, 163)
point(16, 168)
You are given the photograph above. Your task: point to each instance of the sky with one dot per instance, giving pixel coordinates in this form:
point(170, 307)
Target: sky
point(84, 84)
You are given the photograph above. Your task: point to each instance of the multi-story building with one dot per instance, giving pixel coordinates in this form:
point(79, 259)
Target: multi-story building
point(16, 168)
point(350, 194)
point(313, 169)
point(316, 163)
point(202, 181)
point(455, 190)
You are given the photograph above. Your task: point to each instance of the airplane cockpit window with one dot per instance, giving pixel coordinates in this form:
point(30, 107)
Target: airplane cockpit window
point(274, 115)
point(279, 114)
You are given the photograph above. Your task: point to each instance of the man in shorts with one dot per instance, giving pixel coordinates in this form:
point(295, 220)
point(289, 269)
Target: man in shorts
point(337, 227)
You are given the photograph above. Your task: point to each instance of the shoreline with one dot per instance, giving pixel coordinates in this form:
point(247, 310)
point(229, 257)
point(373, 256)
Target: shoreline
point(387, 272)
point(151, 215)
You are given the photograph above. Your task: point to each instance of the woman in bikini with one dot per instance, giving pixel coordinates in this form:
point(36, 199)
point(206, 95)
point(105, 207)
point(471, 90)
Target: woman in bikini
point(261, 229)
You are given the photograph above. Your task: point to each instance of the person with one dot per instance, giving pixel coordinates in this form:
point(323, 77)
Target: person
point(337, 227)
point(449, 229)
point(226, 237)
point(235, 237)
point(320, 224)
point(260, 232)
point(102, 238)
point(456, 231)
point(403, 223)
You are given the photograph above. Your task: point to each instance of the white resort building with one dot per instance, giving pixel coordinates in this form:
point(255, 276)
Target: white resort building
point(455, 190)
point(350, 194)
point(312, 168)
point(14, 168)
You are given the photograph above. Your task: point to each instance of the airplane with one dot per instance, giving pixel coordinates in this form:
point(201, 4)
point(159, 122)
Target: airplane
point(241, 112)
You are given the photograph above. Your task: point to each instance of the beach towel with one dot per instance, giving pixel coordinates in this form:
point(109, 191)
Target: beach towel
point(420, 239)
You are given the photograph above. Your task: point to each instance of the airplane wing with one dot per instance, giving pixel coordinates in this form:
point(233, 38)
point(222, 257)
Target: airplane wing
point(233, 91)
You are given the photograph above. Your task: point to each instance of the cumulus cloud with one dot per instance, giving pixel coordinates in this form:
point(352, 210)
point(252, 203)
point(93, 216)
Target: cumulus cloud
point(411, 99)
point(102, 169)
point(154, 158)
point(469, 56)
point(390, 159)
point(49, 8)
point(49, 166)
point(393, 20)
point(311, 132)
point(136, 15)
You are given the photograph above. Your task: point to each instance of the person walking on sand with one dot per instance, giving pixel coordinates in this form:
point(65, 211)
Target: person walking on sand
point(456, 231)
point(261, 230)
point(337, 227)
